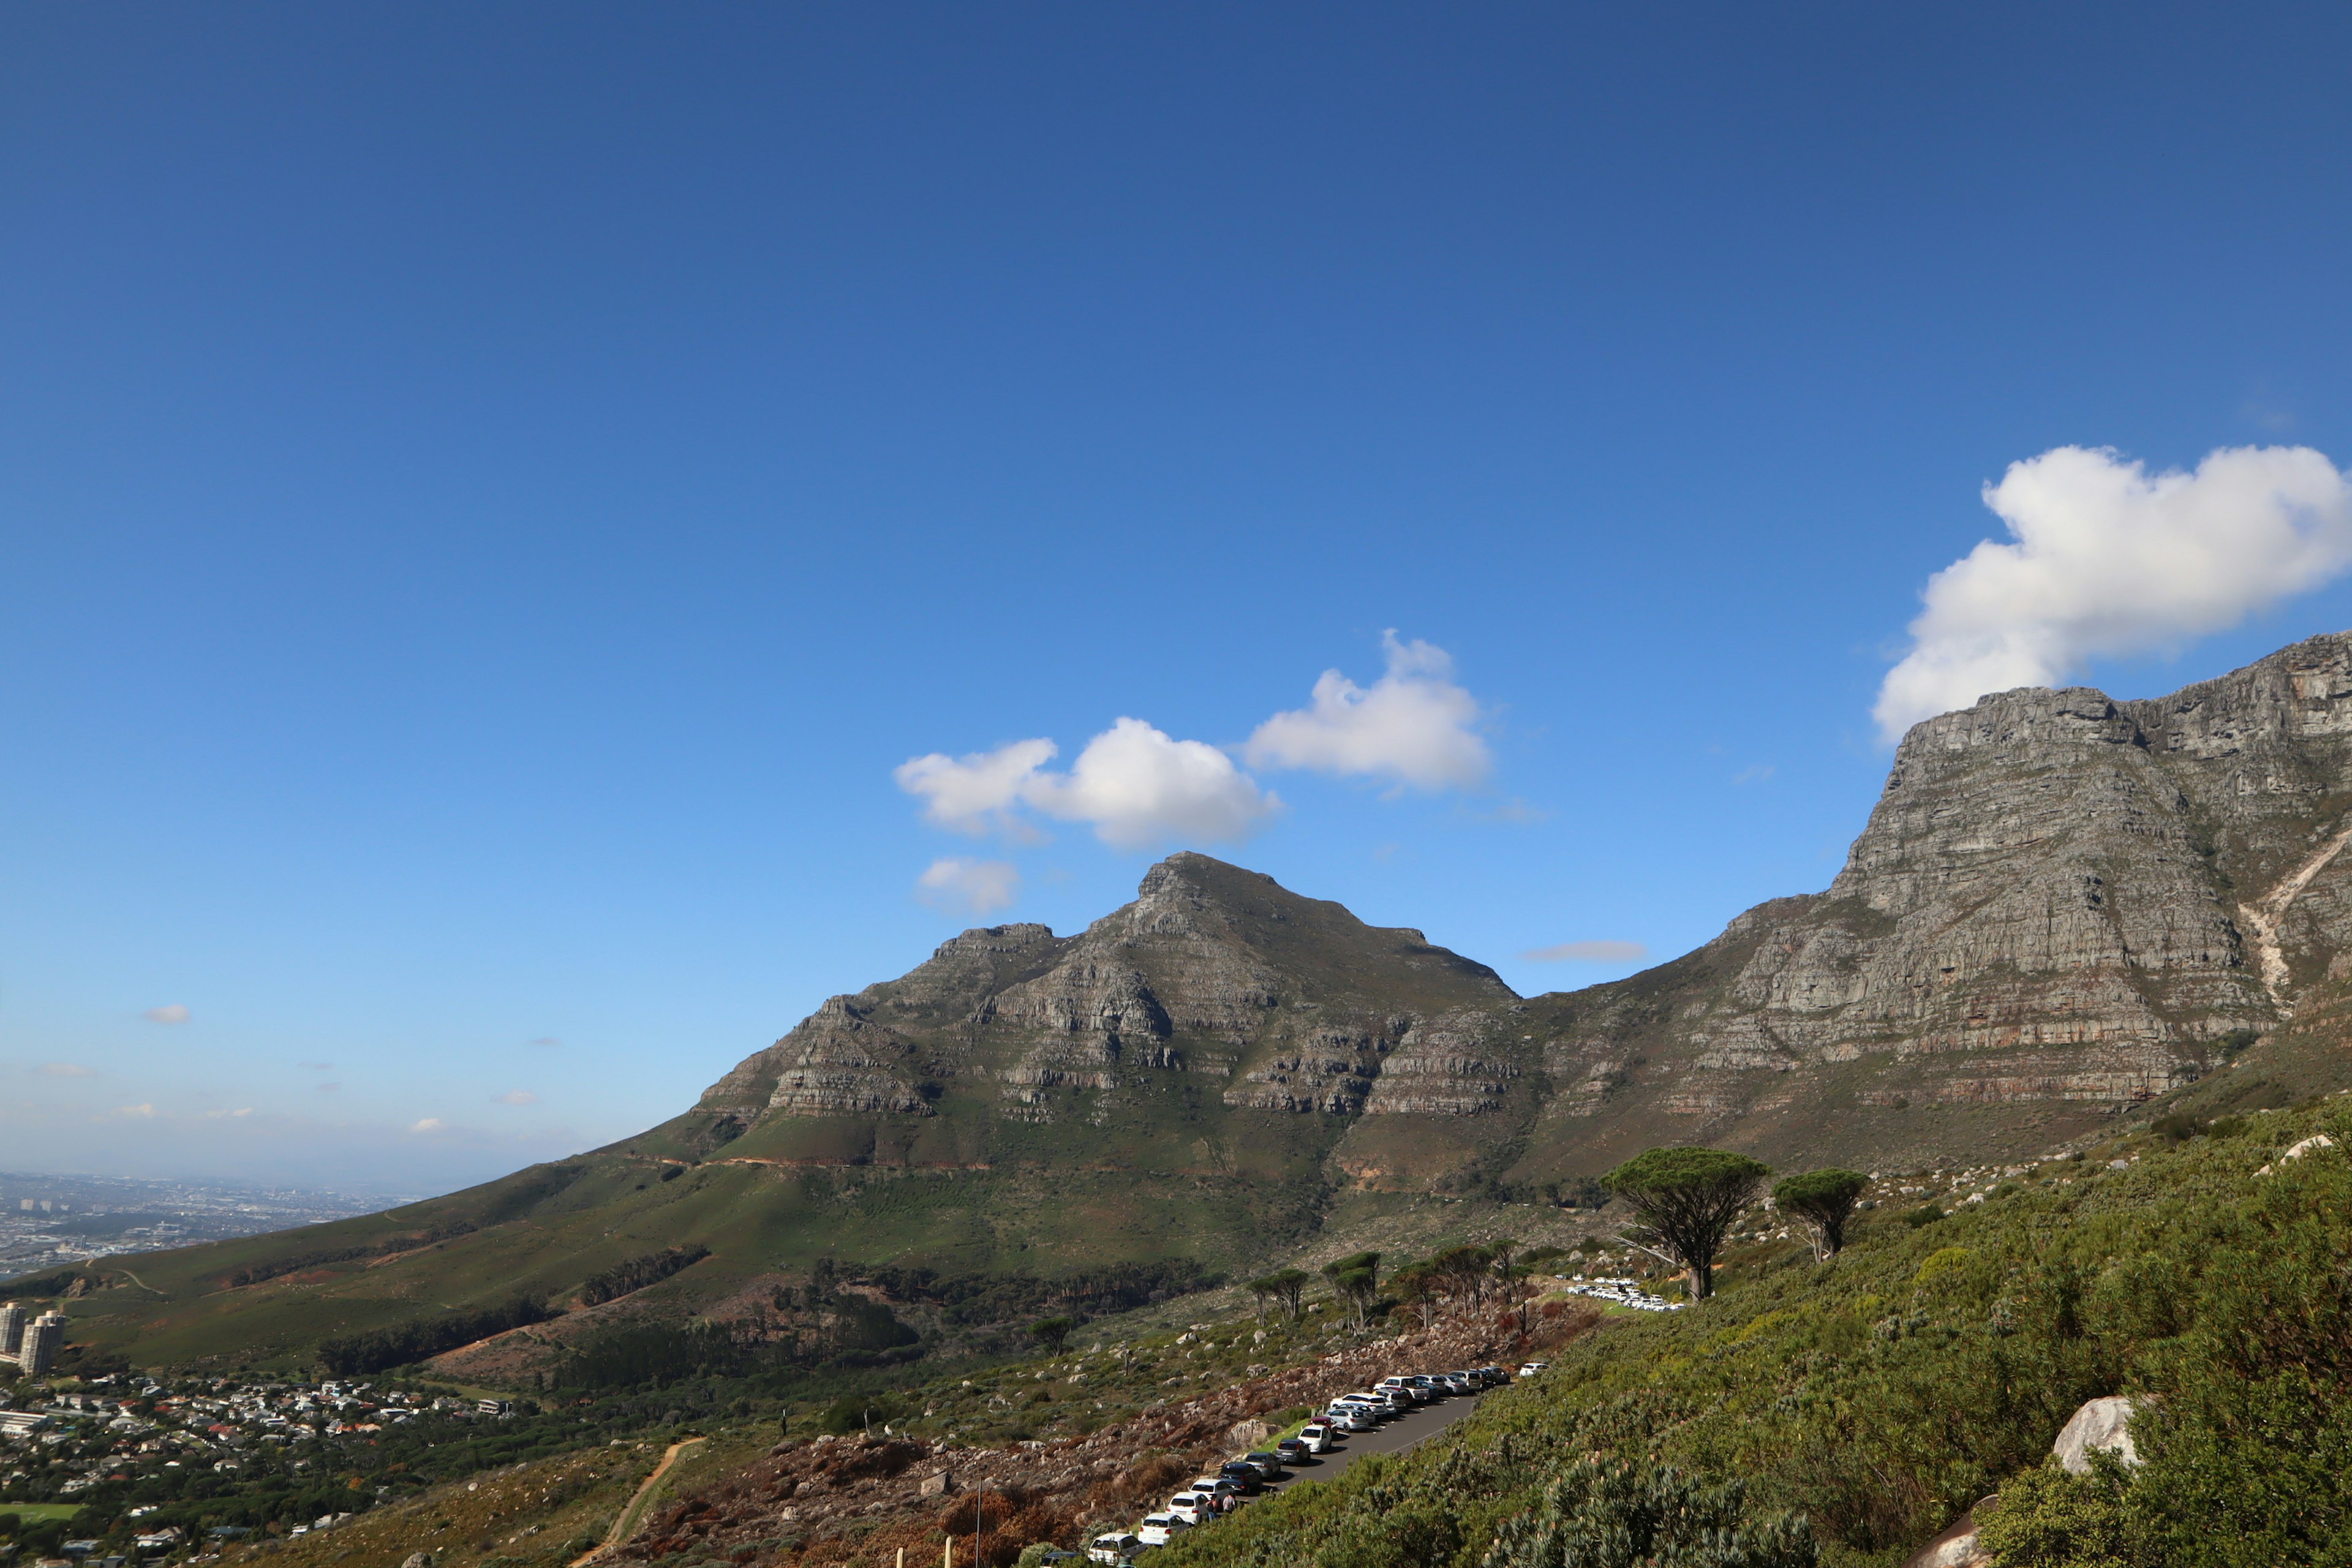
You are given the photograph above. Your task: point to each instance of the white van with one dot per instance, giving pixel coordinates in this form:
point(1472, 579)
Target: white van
point(1114, 1548)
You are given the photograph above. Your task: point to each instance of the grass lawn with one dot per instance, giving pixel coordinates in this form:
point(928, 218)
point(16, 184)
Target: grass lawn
point(31, 1512)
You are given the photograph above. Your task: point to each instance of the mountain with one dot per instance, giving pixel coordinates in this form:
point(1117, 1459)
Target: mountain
point(2063, 907)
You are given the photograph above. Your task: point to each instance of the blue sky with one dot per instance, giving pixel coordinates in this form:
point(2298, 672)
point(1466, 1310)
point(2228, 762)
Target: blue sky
point(490, 495)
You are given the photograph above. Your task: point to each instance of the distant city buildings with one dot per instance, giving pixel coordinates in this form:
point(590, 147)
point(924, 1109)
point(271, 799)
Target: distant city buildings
point(33, 1346)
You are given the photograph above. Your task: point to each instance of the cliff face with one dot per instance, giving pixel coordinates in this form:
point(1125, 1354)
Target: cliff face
point(2060, 901)
point(1215, 999)
point(2060, 904)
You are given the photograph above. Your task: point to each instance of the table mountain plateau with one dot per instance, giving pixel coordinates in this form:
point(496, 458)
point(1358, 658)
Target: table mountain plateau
point(2062, 906)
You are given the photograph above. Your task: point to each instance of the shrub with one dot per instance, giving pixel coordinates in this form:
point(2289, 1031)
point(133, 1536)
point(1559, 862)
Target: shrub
point(1615, 1515)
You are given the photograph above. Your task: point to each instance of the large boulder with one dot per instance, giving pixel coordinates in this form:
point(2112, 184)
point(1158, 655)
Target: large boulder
point(2100, 1424)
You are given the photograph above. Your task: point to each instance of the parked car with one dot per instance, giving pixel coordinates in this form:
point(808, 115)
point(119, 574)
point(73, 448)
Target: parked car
point(1532, 1368)
point(1496, 1376)
point(1192, 1507)
point(1114, 1548)
point(1318, 1436)
point(1428, 1386)
point(1246, 1477)
point(1159, 1529)
point(1401, 1387)
point(1291, 1450)
point(1269, 1464)
point(1461, 1382)
point(1222, 1493)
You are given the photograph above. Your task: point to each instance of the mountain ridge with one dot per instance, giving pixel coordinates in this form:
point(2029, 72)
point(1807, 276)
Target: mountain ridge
point(2062, 908)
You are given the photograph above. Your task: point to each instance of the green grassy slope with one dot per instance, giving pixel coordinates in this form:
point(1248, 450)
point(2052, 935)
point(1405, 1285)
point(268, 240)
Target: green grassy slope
point(1883, 1393)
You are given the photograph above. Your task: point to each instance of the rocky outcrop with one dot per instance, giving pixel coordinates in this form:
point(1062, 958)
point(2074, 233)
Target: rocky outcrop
point(2058, 898)
point(2101, 1425)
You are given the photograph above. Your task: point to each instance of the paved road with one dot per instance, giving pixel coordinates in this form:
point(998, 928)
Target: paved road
point(1392, 1438)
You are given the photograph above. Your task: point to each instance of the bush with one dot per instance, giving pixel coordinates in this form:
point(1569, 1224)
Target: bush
point(1614, 1515)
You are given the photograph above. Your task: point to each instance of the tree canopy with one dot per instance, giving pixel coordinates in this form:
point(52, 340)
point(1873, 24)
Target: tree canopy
point(1684, 1200)
point(1824, 1201)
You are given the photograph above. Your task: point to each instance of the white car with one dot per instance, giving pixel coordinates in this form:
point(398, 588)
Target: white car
point(1318, 1437)
point(1533, 1367)
point(1192, 1507)
point(1159, 1529)
point(1114, 1548)
point(1222, 1494)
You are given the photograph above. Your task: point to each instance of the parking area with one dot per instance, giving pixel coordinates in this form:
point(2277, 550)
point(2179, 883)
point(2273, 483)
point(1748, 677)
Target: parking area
point(1394, 1437)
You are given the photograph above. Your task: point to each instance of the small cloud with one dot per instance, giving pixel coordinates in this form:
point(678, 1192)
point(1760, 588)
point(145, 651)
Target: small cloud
point(1413, 726)
point(171, 1013)
point(229, 1115)
point(137, 1111)
point(430, 1124)
point(1754, 773)
point(1516, 813)
point(329, 1088)
point(969, 886)
point(1588, 952)
point(546, 1040)
point(1134, 785)
point(66, 1069)
point(515, 1097)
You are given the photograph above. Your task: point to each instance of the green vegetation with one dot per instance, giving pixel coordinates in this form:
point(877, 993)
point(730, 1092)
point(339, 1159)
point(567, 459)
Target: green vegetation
point(1882, 1393)
point(359, 1354)
point(1609, 1515)
point(651, 1269)
point(1686, 1199)
point(1823, 1200)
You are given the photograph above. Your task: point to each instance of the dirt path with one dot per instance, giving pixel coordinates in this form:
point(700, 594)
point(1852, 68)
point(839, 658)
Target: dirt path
point(625, 1526)
point(144, 1286)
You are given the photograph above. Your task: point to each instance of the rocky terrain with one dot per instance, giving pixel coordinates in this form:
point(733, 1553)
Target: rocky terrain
point(2063, 907)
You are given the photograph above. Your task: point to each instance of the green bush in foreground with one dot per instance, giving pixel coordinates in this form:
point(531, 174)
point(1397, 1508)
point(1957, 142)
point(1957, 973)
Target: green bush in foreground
point(1613, 1515)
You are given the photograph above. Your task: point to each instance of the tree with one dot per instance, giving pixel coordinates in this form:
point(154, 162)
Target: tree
point(1611, 1515)
point(1286, 1286)
point(1823, 1201)
point(1464, 1272)
point(1684, 1199)
point(1356, 1281)
point(1052, 1332)
point(1264, 1290)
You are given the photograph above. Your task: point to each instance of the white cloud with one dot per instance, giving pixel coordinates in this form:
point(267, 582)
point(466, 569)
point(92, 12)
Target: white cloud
point(1413, 726)
point(429, 1124)
point(171, 1013)
point(2109, 560)
point(1134, 785)
point(515, 1097)
point(1588, 952)
point(1137, 787)
point(227, 1115)
point(140, 1112)
point(66, 1069)
point(976, 793)
point(969, 886)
